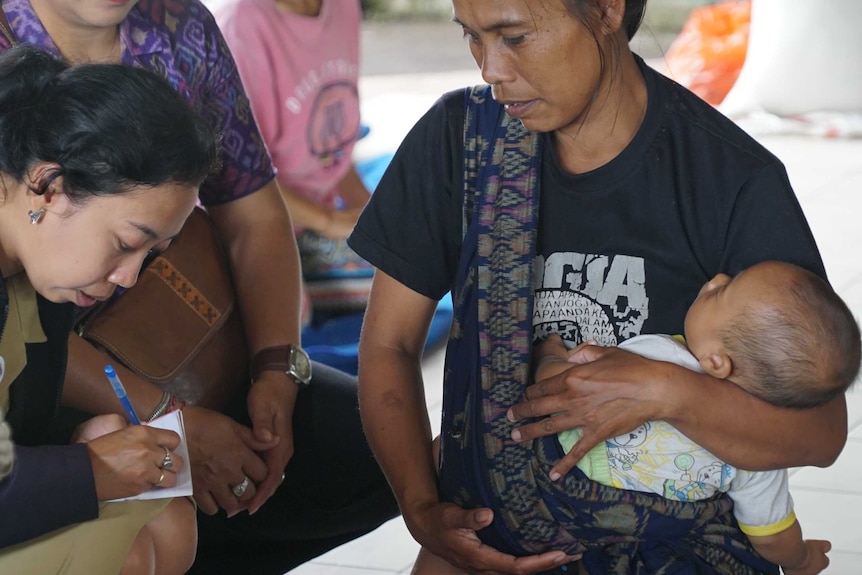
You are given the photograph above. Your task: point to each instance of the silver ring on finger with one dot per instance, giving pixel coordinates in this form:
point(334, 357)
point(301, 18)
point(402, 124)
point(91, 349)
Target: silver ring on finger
point(240, 487)
point(168, 461)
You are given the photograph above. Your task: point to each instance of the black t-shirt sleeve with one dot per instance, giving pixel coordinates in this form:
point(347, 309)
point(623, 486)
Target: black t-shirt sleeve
point(767, 223)
point(411, 227)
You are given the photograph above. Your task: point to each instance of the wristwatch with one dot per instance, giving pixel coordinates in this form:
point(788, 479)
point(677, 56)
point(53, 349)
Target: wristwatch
point(288, 359)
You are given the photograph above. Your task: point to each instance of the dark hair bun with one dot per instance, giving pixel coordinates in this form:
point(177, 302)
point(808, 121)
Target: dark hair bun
point(26, 72)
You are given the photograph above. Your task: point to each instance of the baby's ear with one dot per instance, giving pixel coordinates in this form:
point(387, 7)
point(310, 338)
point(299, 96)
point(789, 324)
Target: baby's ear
point(717, 365)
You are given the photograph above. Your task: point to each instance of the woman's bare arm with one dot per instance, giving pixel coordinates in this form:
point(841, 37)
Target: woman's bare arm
point(391, 390)
point(613, 391)
point(395, 419)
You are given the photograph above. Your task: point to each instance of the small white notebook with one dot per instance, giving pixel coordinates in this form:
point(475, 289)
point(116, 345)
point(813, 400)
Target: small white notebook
point(174, 422)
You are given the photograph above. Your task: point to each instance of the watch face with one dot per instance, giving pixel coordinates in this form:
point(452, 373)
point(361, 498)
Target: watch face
point(301, 365)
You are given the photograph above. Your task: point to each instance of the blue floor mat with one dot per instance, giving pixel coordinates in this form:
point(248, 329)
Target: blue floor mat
point(335, 341)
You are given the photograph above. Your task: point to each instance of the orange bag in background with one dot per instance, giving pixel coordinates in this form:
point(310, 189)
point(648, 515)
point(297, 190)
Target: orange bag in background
point(709, 52)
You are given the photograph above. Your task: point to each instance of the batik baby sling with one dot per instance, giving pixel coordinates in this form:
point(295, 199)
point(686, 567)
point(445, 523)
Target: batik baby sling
point(488, 368)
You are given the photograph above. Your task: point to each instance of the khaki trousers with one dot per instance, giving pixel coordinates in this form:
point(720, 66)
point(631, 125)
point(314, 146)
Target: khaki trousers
point(97, 547)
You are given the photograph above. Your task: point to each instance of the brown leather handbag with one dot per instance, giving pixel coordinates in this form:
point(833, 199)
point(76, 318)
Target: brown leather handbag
point(179, 326)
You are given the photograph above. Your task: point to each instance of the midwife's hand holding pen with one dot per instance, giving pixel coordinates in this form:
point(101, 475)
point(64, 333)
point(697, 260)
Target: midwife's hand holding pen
point(128, 459)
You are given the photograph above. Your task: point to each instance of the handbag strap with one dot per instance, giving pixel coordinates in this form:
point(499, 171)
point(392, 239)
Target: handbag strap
point(7, 37)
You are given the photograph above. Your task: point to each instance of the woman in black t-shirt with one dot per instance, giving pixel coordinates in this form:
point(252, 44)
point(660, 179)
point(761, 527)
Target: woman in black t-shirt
point(646, 193)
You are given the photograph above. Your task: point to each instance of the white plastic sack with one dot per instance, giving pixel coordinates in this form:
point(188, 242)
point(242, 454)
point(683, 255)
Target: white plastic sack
point(803, 56)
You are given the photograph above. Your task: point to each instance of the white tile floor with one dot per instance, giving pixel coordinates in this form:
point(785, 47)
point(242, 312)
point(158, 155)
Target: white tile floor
point(827, 176)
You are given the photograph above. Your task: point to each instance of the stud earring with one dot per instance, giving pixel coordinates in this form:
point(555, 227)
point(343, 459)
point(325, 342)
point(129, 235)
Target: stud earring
point(36, 217)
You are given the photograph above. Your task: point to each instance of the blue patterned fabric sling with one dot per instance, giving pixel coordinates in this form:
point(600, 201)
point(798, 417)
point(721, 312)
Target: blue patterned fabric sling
point(488, 368)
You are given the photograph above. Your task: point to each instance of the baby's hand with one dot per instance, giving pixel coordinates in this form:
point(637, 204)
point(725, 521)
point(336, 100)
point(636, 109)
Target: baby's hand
point(574, 351)
point(815, 560)
point(553, 345)
point(549, 357)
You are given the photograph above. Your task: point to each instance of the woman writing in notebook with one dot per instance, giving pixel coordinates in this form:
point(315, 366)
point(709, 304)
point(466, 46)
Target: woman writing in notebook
point(99, 166)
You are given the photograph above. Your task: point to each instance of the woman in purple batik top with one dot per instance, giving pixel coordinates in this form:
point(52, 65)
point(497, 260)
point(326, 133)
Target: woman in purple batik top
point(291, 446)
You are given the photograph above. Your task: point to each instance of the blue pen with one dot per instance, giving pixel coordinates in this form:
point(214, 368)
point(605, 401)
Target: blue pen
point(121, 394)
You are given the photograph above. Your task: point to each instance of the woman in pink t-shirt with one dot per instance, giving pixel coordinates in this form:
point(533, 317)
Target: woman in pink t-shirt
point(299, 60)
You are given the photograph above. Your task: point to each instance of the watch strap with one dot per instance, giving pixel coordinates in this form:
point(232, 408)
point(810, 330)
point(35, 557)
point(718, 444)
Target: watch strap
point(276, 358)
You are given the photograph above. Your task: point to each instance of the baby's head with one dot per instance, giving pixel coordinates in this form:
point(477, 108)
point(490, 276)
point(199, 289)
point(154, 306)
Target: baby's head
point(778, 331)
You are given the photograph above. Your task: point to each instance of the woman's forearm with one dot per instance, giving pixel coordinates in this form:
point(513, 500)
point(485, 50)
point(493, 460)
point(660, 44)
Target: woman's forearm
point(86, 388)
point(396, 423)
point(748, 432)
point(256, 230)
point(50, 487)
point(391, 390)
